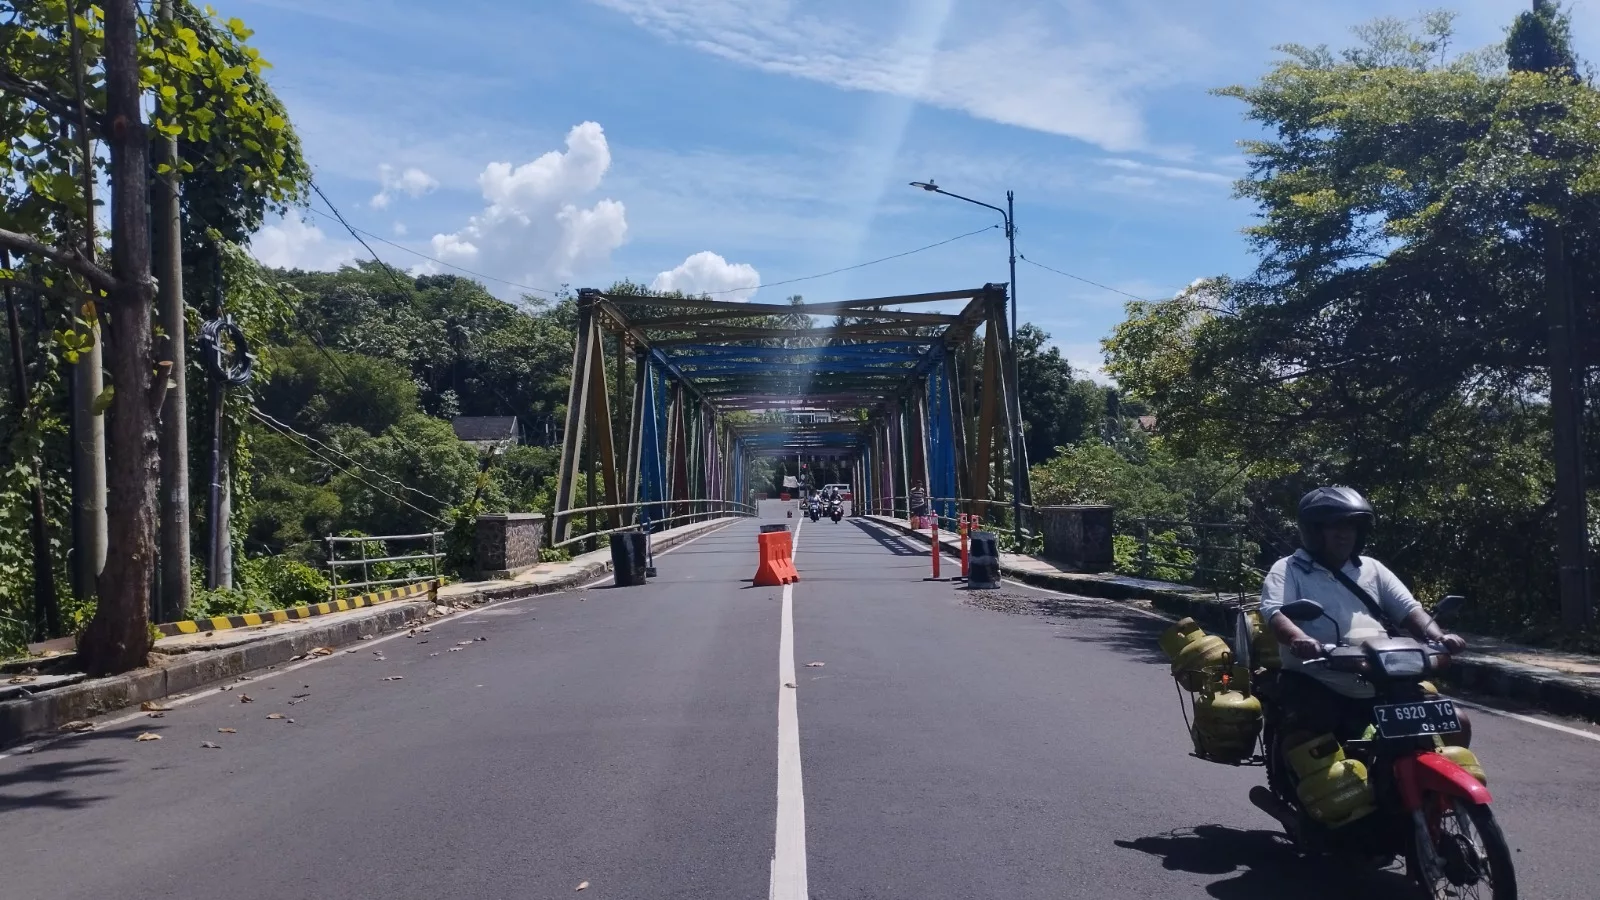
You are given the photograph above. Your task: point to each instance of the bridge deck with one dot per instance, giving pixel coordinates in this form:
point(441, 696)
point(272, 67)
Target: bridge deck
point(629, 738)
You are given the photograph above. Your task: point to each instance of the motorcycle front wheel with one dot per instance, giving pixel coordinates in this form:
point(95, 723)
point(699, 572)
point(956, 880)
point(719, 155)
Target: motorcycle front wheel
point(1471, 860)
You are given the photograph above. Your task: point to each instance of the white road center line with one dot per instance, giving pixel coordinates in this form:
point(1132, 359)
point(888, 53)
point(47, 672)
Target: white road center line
point(788, 881)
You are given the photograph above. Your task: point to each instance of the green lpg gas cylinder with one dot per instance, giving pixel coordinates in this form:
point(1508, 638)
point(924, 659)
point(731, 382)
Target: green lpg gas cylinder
point(1466, 759)
point(1203, 652)
point(1177, 637)
point(1263, 643)
point(1333, 790)
point(1227, 721)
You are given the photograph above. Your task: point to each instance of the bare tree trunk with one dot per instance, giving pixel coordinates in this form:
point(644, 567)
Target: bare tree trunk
point(118, 638)
point(46, 614)
point(88, 428)
point(175, 418)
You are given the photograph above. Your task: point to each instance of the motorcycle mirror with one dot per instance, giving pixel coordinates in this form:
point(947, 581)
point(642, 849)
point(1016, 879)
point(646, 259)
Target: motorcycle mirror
point(1448, 608)
point(1303, 610)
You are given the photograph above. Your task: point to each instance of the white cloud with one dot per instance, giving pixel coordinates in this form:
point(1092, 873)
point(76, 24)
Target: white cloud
point(708, 273)
point(400, 229)
point(295, 243)
point(1036, 68)
point(413, 182)
point(534, 230)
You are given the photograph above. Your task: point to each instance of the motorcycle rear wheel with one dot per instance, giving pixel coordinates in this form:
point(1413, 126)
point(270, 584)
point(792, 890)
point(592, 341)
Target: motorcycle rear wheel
point(1475, 861)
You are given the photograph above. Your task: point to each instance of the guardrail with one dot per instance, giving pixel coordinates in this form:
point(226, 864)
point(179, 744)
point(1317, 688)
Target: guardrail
point(901, 507)
point(385, 561)
point(1216, 555)
point(715, 508)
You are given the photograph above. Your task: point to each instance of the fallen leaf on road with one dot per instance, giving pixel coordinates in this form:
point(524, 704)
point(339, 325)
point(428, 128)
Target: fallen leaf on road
point(290, 721)
point(320, 651)
point(423, 641)
point(462, 643)
point(582, 885)
point(455, 649)
point(77, 725)
point(227, 731)
point(789, 684)
point(815, 665)
point(156, 716)
point(367, 637)
point(480, 639)
point(226, 687)
point(300, 657)
point(246, 698)
point(274, 715)
point(22, 679)
point(148, 736)
point(301, 696)
point(393, 677)
point(153, 706)
point(208, 745)
point(300, 700)
point(351, 650)
point(433, 654)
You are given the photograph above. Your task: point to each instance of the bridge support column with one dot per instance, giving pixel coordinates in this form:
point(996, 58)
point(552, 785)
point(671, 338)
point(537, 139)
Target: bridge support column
point(587, 407)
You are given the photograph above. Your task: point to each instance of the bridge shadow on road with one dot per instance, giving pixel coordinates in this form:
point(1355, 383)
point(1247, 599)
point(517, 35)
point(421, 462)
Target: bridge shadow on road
point(1097, 621)
point(1263, 864)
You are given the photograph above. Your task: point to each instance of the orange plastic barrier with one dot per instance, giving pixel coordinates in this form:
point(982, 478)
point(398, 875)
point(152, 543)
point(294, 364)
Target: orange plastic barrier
point(776, 567)
point(787, 543)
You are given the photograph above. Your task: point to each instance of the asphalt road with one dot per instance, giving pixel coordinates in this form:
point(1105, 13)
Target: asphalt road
point(629, 738)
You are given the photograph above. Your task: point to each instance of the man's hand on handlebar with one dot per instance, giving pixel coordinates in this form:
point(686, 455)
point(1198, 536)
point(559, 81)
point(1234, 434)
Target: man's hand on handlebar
point(1306, 648)
point(1454, 643)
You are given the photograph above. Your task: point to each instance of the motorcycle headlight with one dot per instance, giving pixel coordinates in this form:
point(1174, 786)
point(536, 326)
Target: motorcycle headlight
point(1402, 663)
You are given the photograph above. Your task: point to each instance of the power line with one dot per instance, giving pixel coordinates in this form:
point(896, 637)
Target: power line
point(856, 266)
point(353, 233)
point(1097, 284)
point(291, 433)
point(402, 247)
point(353, 461)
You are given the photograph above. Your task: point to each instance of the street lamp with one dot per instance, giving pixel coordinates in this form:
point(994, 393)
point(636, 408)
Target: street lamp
point(1017, 447)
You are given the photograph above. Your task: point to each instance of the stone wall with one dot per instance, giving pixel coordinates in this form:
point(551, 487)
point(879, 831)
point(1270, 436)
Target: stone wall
point(1077, 536)
point(508, 543)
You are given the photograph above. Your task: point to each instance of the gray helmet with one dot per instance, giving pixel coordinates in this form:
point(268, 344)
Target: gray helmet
point(1334, 504)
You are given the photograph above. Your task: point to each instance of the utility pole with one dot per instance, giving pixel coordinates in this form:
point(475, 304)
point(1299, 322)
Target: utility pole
point(88, 379)
point(174, 547)
point(1533, 50)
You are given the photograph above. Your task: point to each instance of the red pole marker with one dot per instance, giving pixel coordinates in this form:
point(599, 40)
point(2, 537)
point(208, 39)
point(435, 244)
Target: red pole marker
point(936, 548)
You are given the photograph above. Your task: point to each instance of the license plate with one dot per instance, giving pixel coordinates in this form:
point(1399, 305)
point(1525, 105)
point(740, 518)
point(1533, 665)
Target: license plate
point(1402, 720)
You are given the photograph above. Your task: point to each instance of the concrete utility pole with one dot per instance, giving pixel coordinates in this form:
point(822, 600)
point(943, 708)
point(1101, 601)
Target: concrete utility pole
point(88, 380)
point(174, 547)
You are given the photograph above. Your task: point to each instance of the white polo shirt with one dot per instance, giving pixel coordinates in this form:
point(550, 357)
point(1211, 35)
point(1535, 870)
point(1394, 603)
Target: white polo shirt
point(1299, 577)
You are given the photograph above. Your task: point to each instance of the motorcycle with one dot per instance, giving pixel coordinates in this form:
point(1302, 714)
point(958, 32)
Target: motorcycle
point(836, 510)
point(814, 509)
point(1396, 791)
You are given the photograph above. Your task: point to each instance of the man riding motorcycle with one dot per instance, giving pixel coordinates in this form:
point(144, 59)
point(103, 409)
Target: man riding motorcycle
point(1362, 600)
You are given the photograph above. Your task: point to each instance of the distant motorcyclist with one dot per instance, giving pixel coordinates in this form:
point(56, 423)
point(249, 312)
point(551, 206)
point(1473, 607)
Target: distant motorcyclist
point(1360, 595)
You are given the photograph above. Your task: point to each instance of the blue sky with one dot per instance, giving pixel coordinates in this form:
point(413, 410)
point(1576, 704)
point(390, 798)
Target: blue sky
point(718, 144)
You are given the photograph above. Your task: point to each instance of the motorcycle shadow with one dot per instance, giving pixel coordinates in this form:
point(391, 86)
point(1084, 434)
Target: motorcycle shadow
point(1264, 864)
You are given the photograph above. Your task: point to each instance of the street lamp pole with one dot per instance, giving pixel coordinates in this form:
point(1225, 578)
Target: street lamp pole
point(1018, 448)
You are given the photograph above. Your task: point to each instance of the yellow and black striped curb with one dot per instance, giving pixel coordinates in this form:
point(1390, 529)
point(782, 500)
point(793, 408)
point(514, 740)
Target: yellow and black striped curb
point(218, 623)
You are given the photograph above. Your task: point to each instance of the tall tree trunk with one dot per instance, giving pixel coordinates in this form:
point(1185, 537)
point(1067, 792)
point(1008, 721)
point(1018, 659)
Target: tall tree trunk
point(88, 427)
point(118, 638)
point(46, 613)
point(175, 417)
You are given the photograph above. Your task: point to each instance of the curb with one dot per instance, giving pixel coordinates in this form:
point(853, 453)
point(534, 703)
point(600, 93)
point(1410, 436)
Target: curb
point(295, 614)
point(43, 714)
point(1544, 689)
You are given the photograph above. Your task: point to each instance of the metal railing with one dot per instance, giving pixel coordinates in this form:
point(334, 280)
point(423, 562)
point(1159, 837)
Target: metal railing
point(386, 562)
point(900, 507)
point(716, 509)
point(1216, 555)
